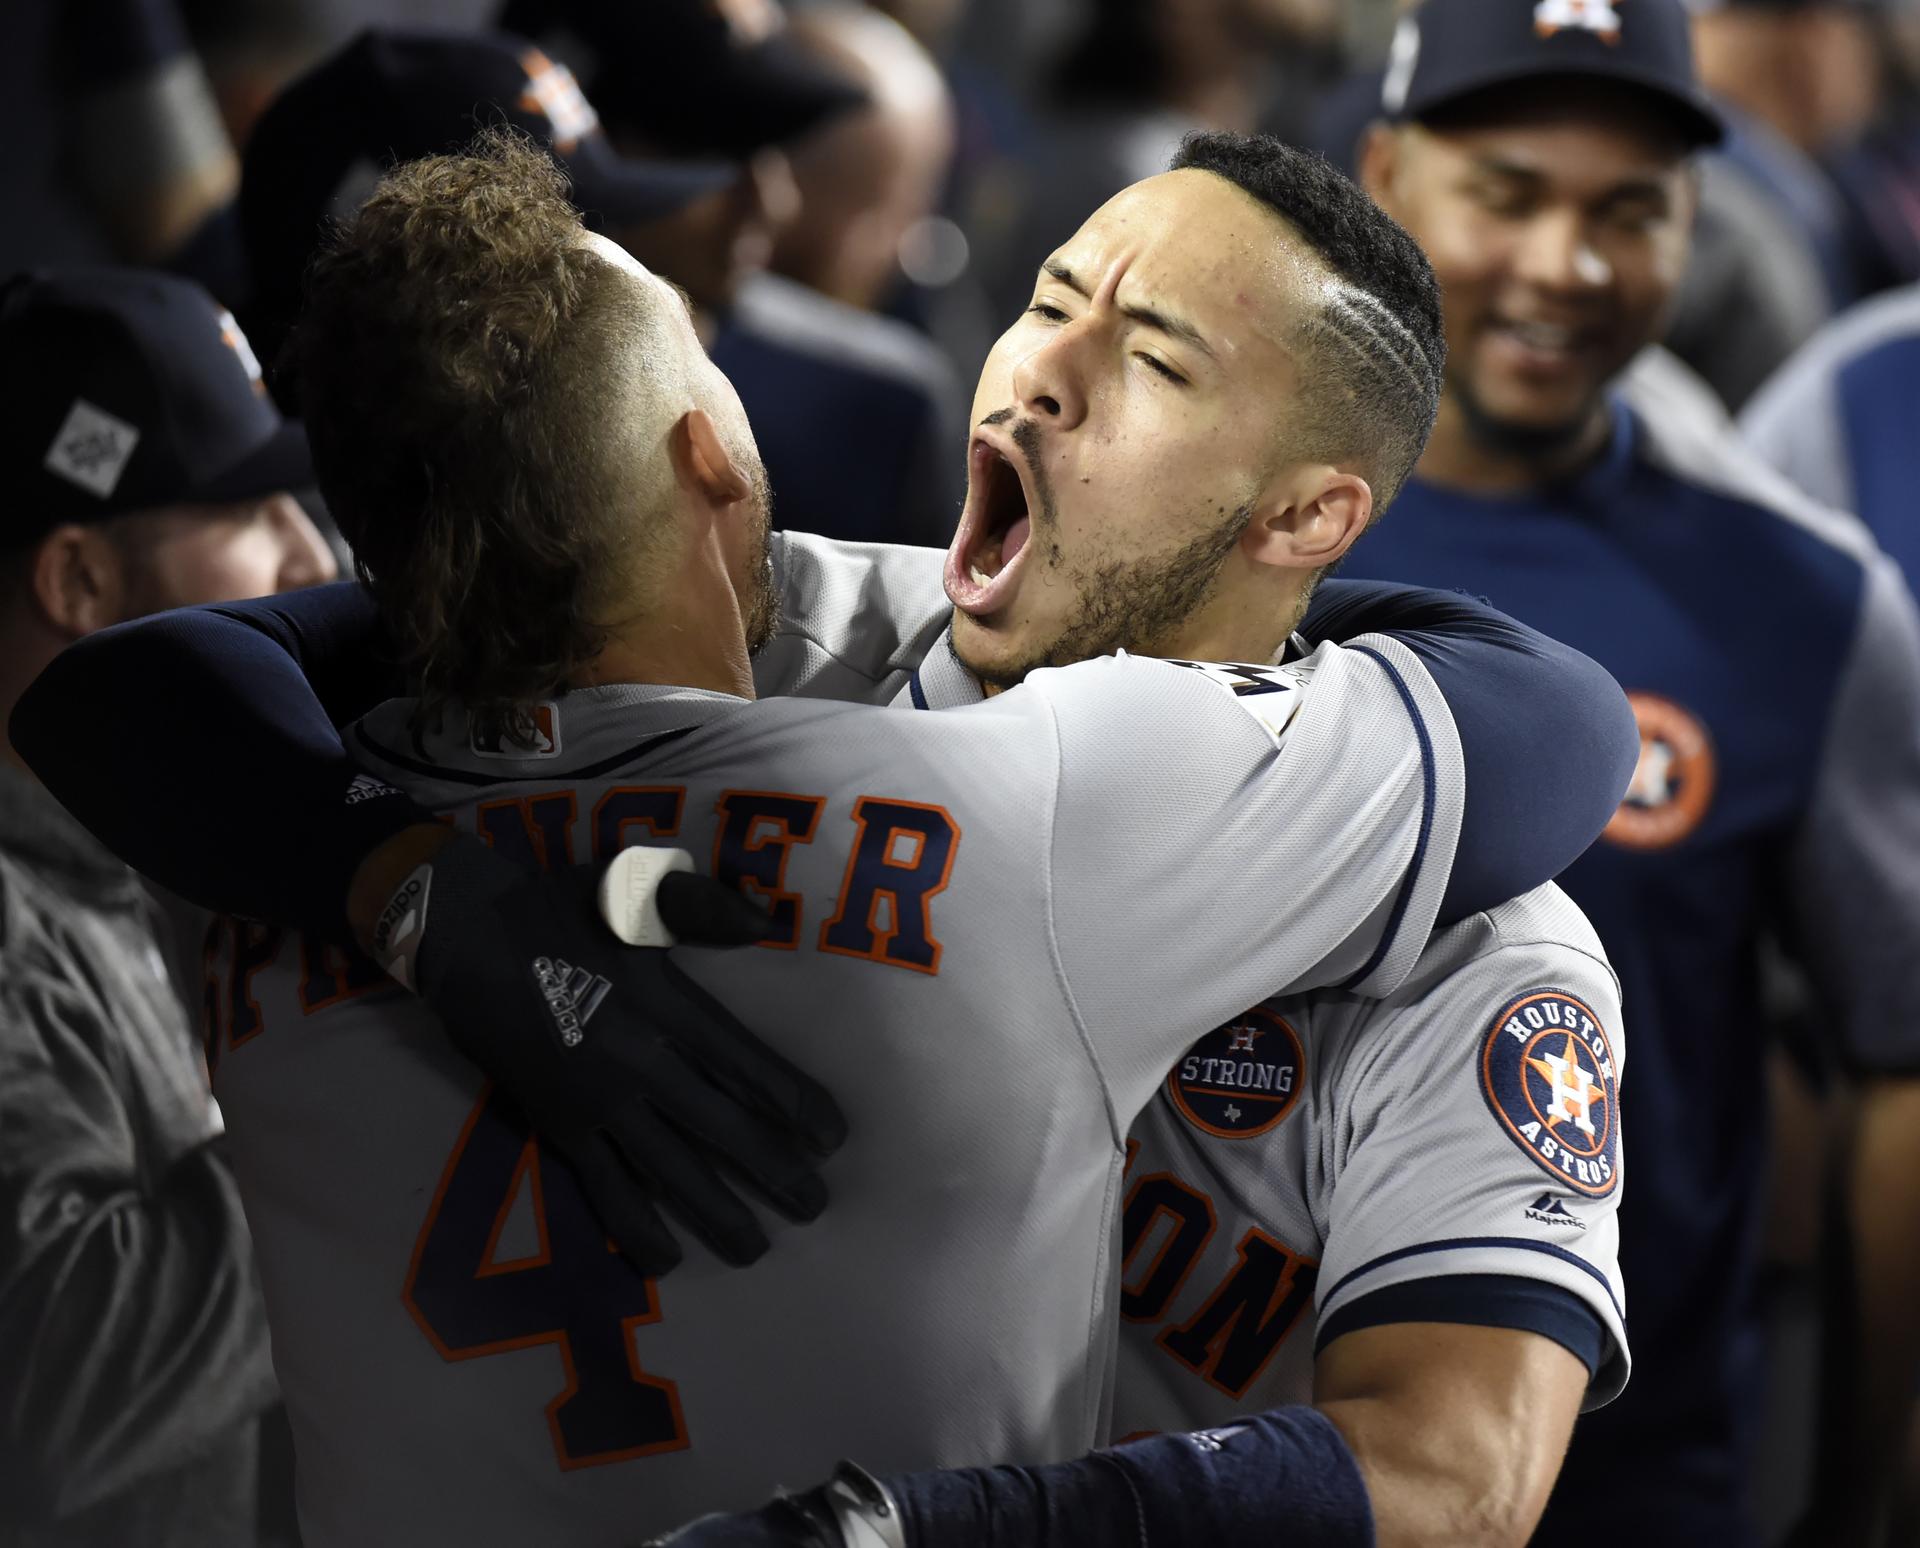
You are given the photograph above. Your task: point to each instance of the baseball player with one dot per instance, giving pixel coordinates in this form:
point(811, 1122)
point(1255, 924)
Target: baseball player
point(1770, 654)
point(830, 587)
point(1023, 1024)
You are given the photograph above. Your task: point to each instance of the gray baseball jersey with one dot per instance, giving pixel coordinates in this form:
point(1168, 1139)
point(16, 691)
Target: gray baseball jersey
point(1400, 1146)
point(998, 927)
point(1325, 1163)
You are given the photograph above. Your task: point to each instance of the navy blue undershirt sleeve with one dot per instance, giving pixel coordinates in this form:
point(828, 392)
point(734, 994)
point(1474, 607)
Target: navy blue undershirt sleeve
point(1483, 1301)
point(1548, 739)
point(256, 690)
point(226, 716)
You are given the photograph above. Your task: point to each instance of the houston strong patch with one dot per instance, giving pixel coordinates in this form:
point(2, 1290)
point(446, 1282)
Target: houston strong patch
point(1242, 1079)
point(1547, 1072)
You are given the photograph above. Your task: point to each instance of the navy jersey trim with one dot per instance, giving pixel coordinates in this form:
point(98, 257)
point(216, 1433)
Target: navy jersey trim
point(1483, 1301)
point(467, 777)
point(1429, 796)
point(1453, 1242)
point(914, 688)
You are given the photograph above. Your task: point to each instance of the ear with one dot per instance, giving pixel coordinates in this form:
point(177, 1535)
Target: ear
point(703, 464)
point(78, 580)
point(1312, 521)
point(1379, 162)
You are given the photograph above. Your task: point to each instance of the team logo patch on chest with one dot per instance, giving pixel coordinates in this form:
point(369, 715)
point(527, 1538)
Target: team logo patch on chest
point(1547, 1072)
point(1673, 781)
point(1241, 1079)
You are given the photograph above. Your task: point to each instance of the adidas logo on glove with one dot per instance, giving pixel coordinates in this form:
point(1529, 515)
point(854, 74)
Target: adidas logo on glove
point(572, 994)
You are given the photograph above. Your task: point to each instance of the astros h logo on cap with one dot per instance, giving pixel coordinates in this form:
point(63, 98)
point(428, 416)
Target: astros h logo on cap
point(554, 93)
point(1598, 16)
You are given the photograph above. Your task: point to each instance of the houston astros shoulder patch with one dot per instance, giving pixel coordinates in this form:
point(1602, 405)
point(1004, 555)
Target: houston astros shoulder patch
point(1548, 1074)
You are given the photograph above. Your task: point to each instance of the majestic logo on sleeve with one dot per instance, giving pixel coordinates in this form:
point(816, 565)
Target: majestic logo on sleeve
point(1241, 1079)
point(1673, 781)
point(1547, 1071)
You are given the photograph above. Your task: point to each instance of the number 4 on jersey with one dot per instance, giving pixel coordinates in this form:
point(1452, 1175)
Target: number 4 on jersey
point(573, 1291)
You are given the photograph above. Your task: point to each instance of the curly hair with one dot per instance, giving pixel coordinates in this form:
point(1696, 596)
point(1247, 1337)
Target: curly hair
point(459, 361)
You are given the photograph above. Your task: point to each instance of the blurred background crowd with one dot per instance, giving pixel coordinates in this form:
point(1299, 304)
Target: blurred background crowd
point(854, 197)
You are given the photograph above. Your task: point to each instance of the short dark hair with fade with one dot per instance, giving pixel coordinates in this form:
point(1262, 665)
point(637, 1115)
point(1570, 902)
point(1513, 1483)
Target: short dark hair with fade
point(1373, 352)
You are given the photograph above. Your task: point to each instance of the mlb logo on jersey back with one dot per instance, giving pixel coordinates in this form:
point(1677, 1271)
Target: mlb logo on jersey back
point(1597, 16)
point(1241, 1079)
point(1547, 1072)
point(489, 739)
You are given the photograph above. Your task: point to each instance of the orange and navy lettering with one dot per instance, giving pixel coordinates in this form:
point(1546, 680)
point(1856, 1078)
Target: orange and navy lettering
point(755, 836)
point(235, 954)
point(902, 859)
point(330, 974)
point(656, 808)
point(1229, 1341)
point(1145, 1297)
point(573, 1293)
point(532, 831)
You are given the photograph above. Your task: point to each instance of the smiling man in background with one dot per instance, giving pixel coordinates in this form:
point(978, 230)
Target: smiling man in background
point(1541, 154)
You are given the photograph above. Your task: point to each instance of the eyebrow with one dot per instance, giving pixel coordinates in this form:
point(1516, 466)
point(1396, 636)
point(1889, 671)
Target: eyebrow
point(1630, 188)
point(1166, 322)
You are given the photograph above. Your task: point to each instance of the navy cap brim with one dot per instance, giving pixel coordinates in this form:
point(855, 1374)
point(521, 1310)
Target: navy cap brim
point(1693, 113)
point(769, 94)
point(282, 462)
point(612, 190)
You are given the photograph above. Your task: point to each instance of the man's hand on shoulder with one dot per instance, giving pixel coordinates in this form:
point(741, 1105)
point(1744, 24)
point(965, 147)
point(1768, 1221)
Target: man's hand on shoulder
point(640, 1080)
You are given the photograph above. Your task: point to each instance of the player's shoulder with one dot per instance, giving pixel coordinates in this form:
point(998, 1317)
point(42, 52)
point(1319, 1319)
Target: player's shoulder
point(1368, 694)
point(1880, 322)
point(1701, 450)
point(1540, 940)
point(872, 608)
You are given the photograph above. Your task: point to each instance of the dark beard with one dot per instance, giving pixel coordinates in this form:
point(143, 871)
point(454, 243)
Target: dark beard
point(1136, 605)
point(1534, 445)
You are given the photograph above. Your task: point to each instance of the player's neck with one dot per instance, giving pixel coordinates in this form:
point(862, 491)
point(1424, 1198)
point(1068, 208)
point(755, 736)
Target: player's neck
point(695, 638)
point(1462, 455)
point(1249, 622)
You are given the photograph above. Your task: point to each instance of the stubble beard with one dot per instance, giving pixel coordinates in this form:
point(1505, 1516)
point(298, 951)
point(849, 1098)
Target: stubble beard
point(763, 600)
point(1136, 605)
point(1541, 446)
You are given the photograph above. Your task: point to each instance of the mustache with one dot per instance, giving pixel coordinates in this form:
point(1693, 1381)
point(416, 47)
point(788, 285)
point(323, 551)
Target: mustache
point(1026, 439)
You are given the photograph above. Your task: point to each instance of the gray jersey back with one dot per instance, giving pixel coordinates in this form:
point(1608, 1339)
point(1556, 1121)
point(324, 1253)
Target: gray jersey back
point(1323, 1148)
point(1003, 923)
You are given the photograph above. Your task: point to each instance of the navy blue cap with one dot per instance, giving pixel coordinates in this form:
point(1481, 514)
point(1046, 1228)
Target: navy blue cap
point(396, 94)
point(1447, 51)
point(698, 77)
point(128, 389)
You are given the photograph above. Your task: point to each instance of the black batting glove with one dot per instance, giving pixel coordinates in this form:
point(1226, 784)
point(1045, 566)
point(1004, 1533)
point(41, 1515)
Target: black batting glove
point(852, 1509)
point(645, 1085)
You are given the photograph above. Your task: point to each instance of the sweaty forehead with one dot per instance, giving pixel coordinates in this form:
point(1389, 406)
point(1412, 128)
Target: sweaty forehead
point(1192, 241)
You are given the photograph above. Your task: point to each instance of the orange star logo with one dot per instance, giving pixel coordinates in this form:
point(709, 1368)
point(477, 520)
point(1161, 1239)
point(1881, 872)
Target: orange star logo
point(1572, 1085)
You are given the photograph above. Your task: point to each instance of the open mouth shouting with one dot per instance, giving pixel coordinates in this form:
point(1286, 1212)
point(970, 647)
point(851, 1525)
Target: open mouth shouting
point(983, 563)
